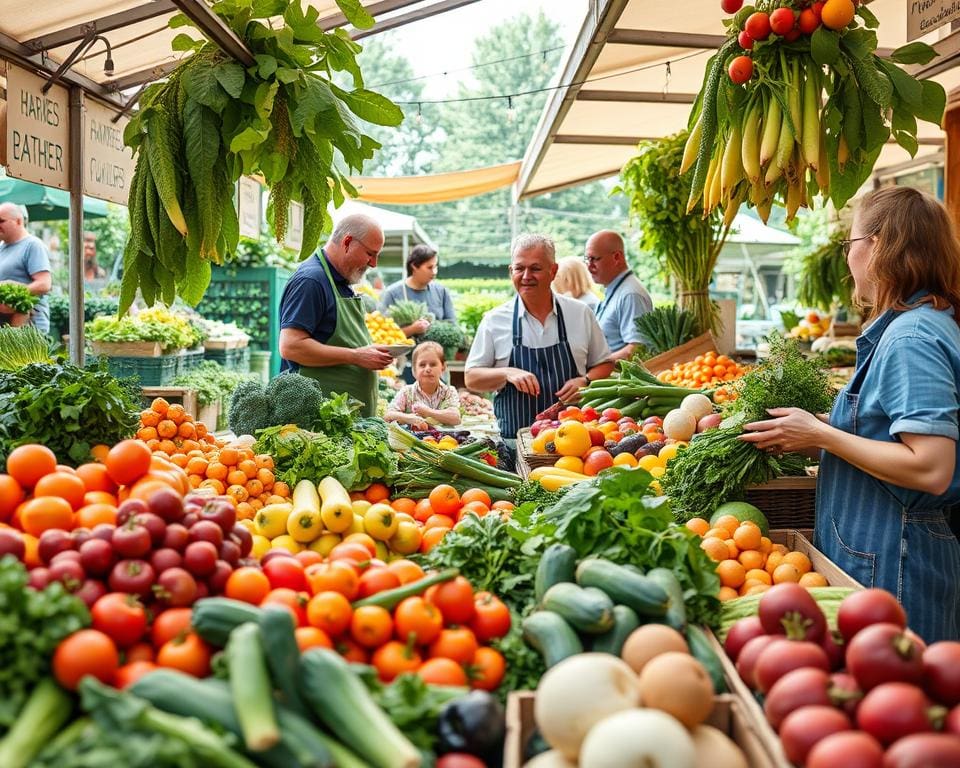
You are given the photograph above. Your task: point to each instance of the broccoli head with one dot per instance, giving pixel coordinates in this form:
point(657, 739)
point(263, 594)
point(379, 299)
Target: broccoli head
point(249, 408)
point(294, 399)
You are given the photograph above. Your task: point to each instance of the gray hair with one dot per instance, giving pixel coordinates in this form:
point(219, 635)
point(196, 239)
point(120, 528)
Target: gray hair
point(357, 225)
point(527, 241)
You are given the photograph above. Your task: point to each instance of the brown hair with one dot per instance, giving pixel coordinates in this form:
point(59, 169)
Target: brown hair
point(572, 278)
point(428, 346)
point(915, 248)
point(419, 255)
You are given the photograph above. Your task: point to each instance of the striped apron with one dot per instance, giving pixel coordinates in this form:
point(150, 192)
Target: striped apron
point(553, 366)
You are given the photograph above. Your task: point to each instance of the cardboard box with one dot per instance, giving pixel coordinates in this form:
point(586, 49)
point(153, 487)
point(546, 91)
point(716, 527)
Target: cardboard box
point(728, 715)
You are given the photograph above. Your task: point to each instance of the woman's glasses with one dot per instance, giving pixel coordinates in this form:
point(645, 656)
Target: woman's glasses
point(846, 244)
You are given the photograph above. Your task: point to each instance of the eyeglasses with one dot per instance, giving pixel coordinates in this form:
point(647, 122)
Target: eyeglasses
point(516, 269)
point(846, 244)
point(593, 259)
point(370, 252)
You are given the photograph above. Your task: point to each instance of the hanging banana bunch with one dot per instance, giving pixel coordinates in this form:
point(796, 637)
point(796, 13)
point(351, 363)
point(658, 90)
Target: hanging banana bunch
point(796, 103)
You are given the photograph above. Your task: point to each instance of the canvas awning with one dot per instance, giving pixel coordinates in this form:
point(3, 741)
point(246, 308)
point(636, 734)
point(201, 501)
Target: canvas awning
point(437, 187)
point(46, 203)
point(617, 89)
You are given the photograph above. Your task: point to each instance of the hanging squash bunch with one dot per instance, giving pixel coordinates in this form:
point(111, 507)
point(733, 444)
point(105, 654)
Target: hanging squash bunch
point(214, 120)
point(796, 102)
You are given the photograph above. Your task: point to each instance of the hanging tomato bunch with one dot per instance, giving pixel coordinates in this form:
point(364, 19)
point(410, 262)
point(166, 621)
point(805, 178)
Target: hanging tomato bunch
point(796, 102)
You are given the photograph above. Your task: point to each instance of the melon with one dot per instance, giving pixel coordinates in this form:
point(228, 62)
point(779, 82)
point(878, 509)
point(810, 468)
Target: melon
point(742, 511)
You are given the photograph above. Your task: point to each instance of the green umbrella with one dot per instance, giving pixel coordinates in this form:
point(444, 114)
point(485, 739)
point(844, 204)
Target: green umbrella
point(46, 203)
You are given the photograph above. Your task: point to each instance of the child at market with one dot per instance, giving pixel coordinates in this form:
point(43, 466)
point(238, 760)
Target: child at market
point(428, 400)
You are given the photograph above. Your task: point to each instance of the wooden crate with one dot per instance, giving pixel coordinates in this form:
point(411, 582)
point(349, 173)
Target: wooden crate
point(801, 541)
point(729, 715)
point(531, 457)
point(127, 348)
point(186, 397)
point(235, 343)
point(685, 352)
point(787, 502)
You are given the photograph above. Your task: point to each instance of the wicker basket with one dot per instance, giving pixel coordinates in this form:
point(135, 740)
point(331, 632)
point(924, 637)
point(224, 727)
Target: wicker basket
point(525, 450)
point(787, 502)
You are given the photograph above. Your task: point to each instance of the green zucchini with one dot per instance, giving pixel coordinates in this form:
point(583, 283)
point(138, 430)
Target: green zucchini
point(283, 654)
point(586, 609)
point(391, 598)
point(548, 633)
point(625, 620)
point(676, 615)
point(251, 688)
point(703, 652)
point(214, 618)
point(343, 703)
point(210, 701)
point(624, 586)
point(558, 564)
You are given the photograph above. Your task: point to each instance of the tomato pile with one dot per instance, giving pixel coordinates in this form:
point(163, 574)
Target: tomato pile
point(349, 602)
point(869, 694)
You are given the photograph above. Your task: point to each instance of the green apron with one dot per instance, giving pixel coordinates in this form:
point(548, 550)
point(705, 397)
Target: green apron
point(351, 332)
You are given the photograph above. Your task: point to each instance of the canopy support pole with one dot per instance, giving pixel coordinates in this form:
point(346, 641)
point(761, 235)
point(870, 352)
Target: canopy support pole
point(76, 225)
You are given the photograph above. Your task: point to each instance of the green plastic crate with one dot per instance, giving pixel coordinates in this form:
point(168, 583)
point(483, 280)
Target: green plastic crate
point(152, 371)
point(188, 360)
point(249, 297)
point(236, 359)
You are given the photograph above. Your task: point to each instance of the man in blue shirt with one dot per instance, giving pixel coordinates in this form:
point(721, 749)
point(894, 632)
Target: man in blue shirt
point(625, 299)
point(24, 259)
point(322, 330)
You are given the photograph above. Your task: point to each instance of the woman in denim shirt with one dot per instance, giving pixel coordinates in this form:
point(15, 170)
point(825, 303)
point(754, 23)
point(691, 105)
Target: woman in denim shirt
point(888, 454)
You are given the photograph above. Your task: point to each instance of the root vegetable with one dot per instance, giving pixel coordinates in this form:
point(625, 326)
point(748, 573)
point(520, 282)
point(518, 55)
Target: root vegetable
point(677, 684)
point(638, 738)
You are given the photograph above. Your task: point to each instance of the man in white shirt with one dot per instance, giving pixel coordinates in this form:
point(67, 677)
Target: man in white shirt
point(536, 348)
point(625, 297)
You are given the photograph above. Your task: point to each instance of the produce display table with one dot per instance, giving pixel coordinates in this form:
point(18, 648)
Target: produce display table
point(729, 715)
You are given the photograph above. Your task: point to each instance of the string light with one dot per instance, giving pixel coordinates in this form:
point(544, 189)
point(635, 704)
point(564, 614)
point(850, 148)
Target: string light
point(419, 117)
point(511, 112)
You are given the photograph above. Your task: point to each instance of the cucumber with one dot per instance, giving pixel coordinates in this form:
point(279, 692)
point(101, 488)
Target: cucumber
point(625, 620)
point(676, 615)
point(558, 564)
point(283, 654)
point(587, 609)
point(549, 634)
point(251, 688)
point(214, 618)
point(624, 586)
point(703, 652)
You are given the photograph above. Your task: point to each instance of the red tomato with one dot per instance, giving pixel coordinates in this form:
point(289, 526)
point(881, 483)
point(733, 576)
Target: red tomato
point(285, 572)
point(376, 580)
point(808, 21)
point(87, 652)
point(460, 759)
point(295, 602)
point(941, 672)
point(854, 749)
point(884, 653)
point(894, 710)
point(806, 726)
point(745, 41)
point(868, 606)
point(731, 6)
point(454, 598)
point(781, 21)
point(190, 655)
point(777, 659)
point(758, 26)
point(139, 652)
point(740, 634)
point(487, 669)
point(120, 616)
point(924, 749)
point(741, 69)
point(492, 617)
point(129, 673)
point(172, 623)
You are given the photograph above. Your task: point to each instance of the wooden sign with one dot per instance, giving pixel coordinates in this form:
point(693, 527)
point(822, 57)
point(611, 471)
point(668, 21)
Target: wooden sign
point(249, 207)
point(294, 236)
point(924, 16)
point(37, 131)
point(107, 164)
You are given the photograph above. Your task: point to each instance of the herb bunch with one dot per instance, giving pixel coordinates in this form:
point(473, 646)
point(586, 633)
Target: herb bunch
point(17, 297)
point(215, 119)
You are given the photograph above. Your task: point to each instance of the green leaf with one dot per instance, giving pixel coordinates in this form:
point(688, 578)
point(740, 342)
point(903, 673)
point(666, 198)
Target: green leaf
point(372, 107)
point(914, 53)
point(231, 76)
point(313, 98)
point(287, 75)
point(264, 97)
point(201, 84)
point(195, 284)
point(932, 103)
point(907, 87)
point(904, 127)
point(356, 14)
point(304, 22)
point(183, 42)
point(203, 152)
point(824, 46)
point(264, 9)
point(179, 20)
point(274, 166)
point(869, 20)
point(248, 138)
point(267, 64)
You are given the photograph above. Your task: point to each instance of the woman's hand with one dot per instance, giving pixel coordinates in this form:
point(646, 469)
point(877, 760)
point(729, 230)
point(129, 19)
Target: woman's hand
point(791, 430)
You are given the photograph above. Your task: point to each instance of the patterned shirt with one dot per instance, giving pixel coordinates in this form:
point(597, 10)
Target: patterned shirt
point(445, 397)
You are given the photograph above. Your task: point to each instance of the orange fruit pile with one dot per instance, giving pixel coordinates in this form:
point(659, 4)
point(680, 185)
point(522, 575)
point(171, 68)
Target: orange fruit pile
point(747, 561)
point(706, 370)
point(170, 429)
point(238, 474)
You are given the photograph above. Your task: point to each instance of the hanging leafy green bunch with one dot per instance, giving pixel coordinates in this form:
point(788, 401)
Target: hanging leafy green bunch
point(214, 120)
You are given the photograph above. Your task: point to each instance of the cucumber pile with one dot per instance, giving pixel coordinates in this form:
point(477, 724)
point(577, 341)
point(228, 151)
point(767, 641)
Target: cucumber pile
point(636, 393)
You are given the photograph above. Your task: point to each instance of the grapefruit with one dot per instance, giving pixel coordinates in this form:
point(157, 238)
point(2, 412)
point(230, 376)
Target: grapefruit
point(742, 511)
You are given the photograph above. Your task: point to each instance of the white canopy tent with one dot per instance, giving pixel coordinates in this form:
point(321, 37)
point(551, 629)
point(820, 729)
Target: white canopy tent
point(401, 232)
